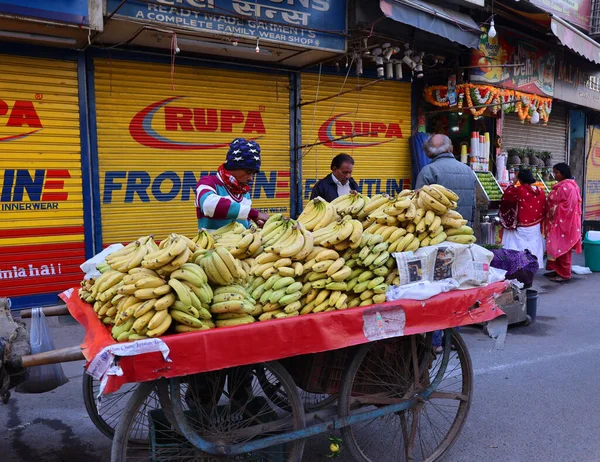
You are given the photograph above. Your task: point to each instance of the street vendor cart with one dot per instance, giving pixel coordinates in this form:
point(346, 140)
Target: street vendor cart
point(257, 391)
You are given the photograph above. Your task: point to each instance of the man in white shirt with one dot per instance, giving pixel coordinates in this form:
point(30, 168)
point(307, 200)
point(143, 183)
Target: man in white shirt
point(338, 182)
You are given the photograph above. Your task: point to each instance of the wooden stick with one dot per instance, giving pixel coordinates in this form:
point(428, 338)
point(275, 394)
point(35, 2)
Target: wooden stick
point(61, 355)
point(48, 311)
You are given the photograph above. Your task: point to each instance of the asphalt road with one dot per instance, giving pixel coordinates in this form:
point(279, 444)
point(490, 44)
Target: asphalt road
point(535, 400)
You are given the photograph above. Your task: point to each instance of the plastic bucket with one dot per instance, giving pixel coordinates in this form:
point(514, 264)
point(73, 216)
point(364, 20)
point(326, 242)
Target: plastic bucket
point(591, 251)
point(532, 298)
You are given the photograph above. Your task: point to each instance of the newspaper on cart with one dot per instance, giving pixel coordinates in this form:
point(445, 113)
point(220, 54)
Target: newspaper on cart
point(440, 268)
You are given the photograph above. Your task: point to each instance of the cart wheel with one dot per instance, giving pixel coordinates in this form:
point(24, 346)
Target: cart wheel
point(383, 370)
point(229, 407)
point(527, 321)
point(111, 409)
point(155, 420)
point(276, 393)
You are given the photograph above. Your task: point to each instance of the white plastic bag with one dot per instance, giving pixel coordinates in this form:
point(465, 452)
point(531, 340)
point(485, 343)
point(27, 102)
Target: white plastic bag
point(89, 266)
point(41, 379)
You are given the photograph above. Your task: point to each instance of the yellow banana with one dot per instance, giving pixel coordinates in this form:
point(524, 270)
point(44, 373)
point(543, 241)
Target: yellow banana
point(438, 239)
point(327, 254)
point(182, 291)
point(161, 329)
point(335, 266)
point(235, 321)
point(144, 308)
point(462, 239)
point(165, 302)
point(142, 321)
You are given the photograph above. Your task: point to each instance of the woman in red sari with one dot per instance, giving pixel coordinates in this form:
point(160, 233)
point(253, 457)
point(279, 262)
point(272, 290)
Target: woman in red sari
point(563, 224)
point(522, 211)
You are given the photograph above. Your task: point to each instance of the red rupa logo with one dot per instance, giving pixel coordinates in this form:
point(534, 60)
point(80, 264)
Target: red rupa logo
point(18, 115)
point(336, 127)
point(185, 119)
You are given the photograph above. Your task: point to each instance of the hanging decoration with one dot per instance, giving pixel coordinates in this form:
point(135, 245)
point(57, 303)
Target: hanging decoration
point(474, 96)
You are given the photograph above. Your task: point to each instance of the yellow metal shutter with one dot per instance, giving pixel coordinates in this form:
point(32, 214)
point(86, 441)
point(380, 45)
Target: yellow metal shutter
point(382, 159)
point(157, 136)
point(41, 230)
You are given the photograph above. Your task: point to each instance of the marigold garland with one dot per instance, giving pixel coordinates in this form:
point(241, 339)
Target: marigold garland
point(474, 95)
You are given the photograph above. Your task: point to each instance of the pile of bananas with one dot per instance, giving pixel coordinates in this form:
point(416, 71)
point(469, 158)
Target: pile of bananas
point(335, 256)
point(317, 214)
point(143, 297)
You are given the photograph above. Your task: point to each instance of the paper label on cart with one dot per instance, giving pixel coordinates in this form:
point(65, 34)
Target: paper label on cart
point(384, 322)
point(104, 360)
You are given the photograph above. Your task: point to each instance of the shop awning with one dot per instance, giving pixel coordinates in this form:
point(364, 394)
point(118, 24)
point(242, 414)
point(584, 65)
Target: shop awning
point(577, 41)
point(568, 35)
point(449, 24)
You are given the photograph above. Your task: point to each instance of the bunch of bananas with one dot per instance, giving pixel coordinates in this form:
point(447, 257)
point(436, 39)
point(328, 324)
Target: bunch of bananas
point(286, 237)
point(317, 214)
point(233, 306)
point(393, 211)
point(436, 198)
point(279, 296)
point(132, 254)
point(171, 255)
point(462, 235)
point(221, 267)
point(204, 239)
point(341, 234)
point(193, 297)
point(351, 204)
point(142, 309)
point(85, 291)
point(241, 245)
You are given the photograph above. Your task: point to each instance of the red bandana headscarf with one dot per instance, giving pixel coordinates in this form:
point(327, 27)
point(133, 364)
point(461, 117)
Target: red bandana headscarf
point(233, 185)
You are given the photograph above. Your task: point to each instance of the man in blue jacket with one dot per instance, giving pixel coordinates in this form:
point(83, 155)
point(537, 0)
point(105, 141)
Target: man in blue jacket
point(338, 182)
point(444, 169)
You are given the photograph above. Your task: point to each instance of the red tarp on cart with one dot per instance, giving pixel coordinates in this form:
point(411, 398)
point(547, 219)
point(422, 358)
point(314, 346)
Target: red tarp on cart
point(225, 347)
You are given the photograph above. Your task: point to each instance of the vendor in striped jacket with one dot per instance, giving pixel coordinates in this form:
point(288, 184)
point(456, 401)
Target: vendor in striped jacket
point(225, 197)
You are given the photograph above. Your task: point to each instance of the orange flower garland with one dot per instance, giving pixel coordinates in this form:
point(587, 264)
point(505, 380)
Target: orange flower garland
point(499, 98)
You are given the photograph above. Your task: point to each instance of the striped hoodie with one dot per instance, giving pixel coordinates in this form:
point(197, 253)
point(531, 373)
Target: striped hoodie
point(216, 207)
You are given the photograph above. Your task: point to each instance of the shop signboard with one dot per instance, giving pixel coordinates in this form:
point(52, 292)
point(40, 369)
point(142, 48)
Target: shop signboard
point(578, 84)
point(592, 176)
point(302, 23)
point(67, 11)
point(509, 61)
point(577, 12)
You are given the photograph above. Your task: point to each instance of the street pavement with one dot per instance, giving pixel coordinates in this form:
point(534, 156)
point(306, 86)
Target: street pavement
point(534, 400)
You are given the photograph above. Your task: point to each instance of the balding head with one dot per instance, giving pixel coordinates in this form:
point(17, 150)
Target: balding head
point(438, 144)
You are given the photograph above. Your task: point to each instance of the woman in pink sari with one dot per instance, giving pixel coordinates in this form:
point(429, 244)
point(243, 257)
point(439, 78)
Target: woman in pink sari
point(563, 224)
